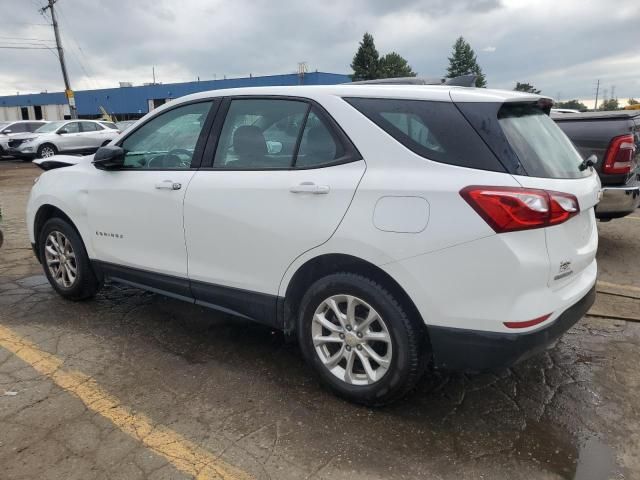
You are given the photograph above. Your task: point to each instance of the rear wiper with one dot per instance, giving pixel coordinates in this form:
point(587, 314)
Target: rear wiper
point(589, 162)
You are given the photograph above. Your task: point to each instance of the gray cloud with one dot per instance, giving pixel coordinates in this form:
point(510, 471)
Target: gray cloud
point(558, 46)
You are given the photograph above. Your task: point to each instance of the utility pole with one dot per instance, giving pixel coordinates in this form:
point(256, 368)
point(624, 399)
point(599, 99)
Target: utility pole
point(597, 92)
point(67, 86)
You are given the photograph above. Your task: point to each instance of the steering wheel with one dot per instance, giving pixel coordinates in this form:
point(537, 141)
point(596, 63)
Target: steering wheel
point(171, 159)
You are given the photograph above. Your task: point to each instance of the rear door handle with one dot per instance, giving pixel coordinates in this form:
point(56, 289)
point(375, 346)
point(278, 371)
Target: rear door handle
point(168, 185)
point(310, 187)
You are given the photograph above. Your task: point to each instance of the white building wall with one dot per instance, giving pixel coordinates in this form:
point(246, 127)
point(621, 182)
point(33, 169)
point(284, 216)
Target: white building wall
point(49, 112)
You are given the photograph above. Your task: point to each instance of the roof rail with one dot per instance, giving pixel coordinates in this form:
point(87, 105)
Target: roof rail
point(461, 81)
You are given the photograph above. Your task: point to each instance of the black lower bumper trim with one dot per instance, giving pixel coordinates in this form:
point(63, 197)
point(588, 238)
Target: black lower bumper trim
point(474, 350)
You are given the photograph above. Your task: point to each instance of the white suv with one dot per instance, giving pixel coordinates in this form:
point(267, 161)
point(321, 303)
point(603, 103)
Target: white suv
point(386, 226)
point(66, 136)
point(10, 129)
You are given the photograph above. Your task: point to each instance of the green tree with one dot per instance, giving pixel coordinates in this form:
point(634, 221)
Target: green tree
point(366, 61)
point(463, 61)
point(610, 104)
point(393, 65)
point(526, 87)
point(632, 101)
point(572, 104)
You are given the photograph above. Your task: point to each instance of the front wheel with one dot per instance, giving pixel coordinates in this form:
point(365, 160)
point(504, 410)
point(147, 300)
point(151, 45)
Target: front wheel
point(65, 261)
point(360, 340)
point(46, 150)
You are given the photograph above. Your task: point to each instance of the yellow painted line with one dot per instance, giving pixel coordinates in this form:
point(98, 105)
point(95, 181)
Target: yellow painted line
point(630, 288)
point(632, 218)
point(183, 454)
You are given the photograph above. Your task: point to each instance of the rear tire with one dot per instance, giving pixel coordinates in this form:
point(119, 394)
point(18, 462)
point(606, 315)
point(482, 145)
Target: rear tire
point(46, 150)
point(65, 261)
point(370, 352)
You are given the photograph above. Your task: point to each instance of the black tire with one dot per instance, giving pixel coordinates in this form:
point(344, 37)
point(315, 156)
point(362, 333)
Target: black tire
point(407, 340)
point(86, 285)
point(44, 146)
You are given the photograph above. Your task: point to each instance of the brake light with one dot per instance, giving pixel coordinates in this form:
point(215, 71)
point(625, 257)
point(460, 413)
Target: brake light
point(509, 209)
point(620, 155)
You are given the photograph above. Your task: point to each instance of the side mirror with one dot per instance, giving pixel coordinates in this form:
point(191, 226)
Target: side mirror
point(62, 131)
point(109, 157)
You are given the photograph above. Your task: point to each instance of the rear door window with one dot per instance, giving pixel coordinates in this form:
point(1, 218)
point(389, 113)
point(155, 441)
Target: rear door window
point(434, 130)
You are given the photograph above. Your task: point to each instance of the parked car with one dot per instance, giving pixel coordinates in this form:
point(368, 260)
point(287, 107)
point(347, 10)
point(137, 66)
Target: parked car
point(611, 140)
point(8, 130)
point(108, 124)
point(66, 136)
point(122, 126)
point(564, 110)
point(386, 227)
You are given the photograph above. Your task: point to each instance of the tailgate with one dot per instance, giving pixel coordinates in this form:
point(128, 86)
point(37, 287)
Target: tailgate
point(571, 245)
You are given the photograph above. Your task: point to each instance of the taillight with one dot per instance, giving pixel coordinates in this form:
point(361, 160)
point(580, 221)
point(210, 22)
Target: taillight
point(620, 155)
point(509, 209)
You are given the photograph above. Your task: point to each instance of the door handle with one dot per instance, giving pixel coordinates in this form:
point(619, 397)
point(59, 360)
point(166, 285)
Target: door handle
point(168, 185)
point(310, 187)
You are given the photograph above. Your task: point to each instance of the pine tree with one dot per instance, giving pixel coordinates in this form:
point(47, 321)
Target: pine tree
point(464, 62)
point(393, 65)
point(526, 87)
point(366, 61)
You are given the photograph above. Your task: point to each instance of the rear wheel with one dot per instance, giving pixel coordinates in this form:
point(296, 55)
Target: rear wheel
point(360, 340)
point(65, 261)
point(46, 150)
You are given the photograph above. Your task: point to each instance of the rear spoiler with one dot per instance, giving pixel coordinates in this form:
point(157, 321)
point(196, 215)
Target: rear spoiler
point(461, 81)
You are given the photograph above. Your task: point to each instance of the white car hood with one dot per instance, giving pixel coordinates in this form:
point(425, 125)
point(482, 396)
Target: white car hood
point(58, 161)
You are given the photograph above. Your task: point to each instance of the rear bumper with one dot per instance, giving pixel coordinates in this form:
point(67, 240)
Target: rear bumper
point(618, 201)
point(473, 350)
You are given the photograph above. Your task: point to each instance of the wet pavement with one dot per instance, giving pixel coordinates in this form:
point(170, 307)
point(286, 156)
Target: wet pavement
point(85, 386)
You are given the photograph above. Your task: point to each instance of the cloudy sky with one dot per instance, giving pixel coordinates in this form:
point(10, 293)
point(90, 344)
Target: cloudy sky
point(561, 46)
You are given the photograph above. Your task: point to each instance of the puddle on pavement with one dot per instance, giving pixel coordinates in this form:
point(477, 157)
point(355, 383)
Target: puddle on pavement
point(596, 461)
point(556, 451)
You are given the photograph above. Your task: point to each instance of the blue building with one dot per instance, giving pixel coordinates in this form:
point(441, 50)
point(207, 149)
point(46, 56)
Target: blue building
point(128, 102)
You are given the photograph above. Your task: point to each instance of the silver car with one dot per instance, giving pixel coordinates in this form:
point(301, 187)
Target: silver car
point(66, 136)
point(10, 129)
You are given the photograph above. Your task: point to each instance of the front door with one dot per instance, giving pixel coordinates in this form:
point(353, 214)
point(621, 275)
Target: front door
point(69, 137)
point(135, 213)
point(280, 182)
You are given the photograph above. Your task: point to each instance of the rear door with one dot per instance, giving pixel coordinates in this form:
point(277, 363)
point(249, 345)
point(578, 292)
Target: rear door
point(277, 180)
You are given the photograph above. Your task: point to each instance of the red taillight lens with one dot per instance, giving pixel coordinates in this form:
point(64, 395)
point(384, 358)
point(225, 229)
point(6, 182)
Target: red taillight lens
point(509, 209)
point(620, 155)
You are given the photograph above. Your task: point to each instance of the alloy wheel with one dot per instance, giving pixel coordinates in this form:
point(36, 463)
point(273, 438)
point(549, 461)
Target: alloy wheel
point(47, 152)
point(351, 339)
point(61, 259)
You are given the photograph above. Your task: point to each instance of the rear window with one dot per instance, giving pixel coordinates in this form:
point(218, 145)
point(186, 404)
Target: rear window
point(527, 141)
point(541, 146)
point(434, 130)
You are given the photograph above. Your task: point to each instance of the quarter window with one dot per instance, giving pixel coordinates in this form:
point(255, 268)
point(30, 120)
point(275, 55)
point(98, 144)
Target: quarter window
point(168, 141)
point(260, 134)
point(434, 130)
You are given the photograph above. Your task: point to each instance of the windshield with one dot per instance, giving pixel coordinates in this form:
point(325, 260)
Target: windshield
point(50, 127)
point(542, 148)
